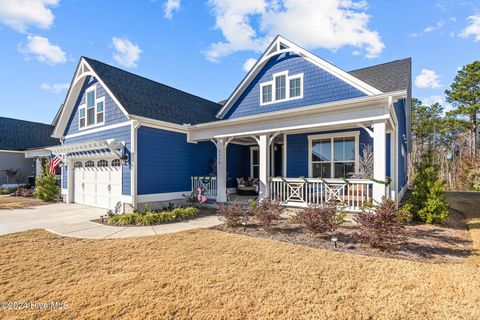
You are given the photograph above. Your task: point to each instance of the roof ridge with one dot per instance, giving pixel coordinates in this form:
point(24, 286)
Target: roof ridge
point(28, 121)
point(380, 64)
point(151, 80)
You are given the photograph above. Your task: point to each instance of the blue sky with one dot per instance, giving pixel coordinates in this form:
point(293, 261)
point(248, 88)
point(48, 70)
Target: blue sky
point(204, 47)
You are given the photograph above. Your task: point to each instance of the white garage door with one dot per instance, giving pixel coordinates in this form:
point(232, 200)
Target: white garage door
point(98, 183)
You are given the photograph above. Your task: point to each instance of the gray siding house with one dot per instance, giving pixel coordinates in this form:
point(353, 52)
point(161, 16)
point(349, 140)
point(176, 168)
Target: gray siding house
point(21, 143)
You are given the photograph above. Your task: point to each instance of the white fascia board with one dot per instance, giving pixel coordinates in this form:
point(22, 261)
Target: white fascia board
point(293, 48)
point(41, 152)
point(338, 117)
point(73, 92)
point(169, 126)
point(347, 104)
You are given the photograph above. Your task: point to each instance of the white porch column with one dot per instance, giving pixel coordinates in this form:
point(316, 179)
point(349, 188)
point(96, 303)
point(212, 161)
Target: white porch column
point(221, 170)
point(379, 160)
point(70, 181)
point(38, 167)
point(264, 152)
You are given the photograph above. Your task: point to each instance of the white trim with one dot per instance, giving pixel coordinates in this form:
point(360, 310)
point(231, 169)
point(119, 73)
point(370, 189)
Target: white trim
point(13, 151)
point(95, 130)
point(285, 139)
point(331, 136)
point(253, 148)
point(274, 49)
point(163, 125)
point(273, 83)
point(402, 192)
point(154, 197)
point(84, 106)
point(33, 153)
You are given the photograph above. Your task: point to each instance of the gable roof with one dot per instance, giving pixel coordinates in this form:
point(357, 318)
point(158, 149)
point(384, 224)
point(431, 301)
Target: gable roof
point(150, 99)
point(387, 77)
point(281, 45)
point(22, 135)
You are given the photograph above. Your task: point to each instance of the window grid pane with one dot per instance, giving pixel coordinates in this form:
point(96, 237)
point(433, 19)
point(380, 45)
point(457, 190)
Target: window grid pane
point(280, 88)
point(294, 88)
point(267, 93)
point(90, 116)
point(91, 99)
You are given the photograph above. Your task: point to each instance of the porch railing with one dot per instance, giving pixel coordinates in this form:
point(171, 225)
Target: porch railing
point(350, 194)
point(208, 184)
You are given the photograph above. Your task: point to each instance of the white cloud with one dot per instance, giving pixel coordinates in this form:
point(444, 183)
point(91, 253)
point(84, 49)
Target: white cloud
point(427, 79)
point(43, 50)
point(19, 14)
point(331, 24)
point(249, 63)
point(428, 101)
point(126, 53)
point(54, 87)
point(437, 26)
point(170, 7)
point(473, 30)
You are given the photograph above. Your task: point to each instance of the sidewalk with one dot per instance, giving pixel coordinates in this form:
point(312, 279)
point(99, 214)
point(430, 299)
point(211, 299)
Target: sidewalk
point(92, 230)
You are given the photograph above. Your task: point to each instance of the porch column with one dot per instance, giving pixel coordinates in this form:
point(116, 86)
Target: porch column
point(221, 170)
point(70, 182)
point(264, 170)
point(379, 160)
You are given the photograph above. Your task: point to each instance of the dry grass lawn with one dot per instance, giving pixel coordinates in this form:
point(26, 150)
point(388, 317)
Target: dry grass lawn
point(8, 202)
point(206, 274)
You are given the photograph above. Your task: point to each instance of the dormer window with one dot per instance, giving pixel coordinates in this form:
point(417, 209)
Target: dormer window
point(282, 88)
point(92, 113)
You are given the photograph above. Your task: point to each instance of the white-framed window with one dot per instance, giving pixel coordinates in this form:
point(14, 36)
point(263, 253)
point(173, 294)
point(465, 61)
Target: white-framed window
point(282, 87)
point(254, 162)
point(116, 163)
point(92, 112)
point(333, 155)
point(78, 164)
point(267, 94)
point(89, 164)
point(102, 163)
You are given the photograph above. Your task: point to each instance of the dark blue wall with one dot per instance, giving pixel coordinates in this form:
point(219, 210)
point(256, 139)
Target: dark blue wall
point(119, 134)
point(113, 114)
point(402, 131)
point(319, 87)
point(166, 161)
point(238, 163)
point(297, 150)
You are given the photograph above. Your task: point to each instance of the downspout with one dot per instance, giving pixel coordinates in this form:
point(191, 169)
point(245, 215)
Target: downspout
point(135, 125)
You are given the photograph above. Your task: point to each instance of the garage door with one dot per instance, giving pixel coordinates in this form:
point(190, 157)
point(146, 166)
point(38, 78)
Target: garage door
point(98, 183)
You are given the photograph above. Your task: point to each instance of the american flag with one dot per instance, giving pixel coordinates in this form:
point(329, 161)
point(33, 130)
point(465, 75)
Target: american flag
point(54, 162)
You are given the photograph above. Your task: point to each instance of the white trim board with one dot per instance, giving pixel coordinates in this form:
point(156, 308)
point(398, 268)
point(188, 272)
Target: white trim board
point(98, 129)
point(154, 197)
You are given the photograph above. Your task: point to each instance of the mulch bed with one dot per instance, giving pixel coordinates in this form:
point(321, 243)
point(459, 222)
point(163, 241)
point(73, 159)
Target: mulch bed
point(434, 243)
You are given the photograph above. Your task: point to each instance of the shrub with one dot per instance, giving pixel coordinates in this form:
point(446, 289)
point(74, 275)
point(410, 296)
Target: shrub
point(233, 215)
point(380, 225)
point(266, 211)
point(319, 219)
point(6, 191)
point(428, 202)
point(150, 217)
point(46, 188)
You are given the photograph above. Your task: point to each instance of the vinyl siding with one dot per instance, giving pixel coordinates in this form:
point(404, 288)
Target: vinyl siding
point(319, 87)
point(113, 114)
point(119, 134)
point(16, 161)
point(402, 131)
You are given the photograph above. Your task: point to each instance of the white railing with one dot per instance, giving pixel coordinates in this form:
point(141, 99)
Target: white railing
point(351, 194)
point(208, 184)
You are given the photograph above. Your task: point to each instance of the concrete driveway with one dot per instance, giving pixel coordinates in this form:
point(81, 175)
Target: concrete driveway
point(73, 220)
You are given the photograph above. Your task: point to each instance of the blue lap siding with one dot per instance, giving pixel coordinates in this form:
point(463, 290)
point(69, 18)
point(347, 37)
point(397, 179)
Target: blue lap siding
point(319, 86)
point(402, 143)
point(113, 114)
point(120, 134)
point(238, 163)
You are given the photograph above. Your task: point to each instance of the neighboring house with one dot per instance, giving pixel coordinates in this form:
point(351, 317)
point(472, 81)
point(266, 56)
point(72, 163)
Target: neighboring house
point(21, 143)
point(296, 122)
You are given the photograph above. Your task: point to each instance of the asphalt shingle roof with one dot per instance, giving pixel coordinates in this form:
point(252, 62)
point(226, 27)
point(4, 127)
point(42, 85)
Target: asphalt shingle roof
point(146, 98)
point(22, 135)
point(386, 77)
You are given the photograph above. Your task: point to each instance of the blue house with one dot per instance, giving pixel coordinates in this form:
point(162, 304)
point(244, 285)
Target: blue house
point(297, 129)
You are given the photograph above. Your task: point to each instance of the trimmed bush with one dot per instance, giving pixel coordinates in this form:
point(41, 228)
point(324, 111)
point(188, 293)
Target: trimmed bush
point(267, 211)
point(46, 188)
point(380, 225)
point(319, 219)
point(150, 217)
